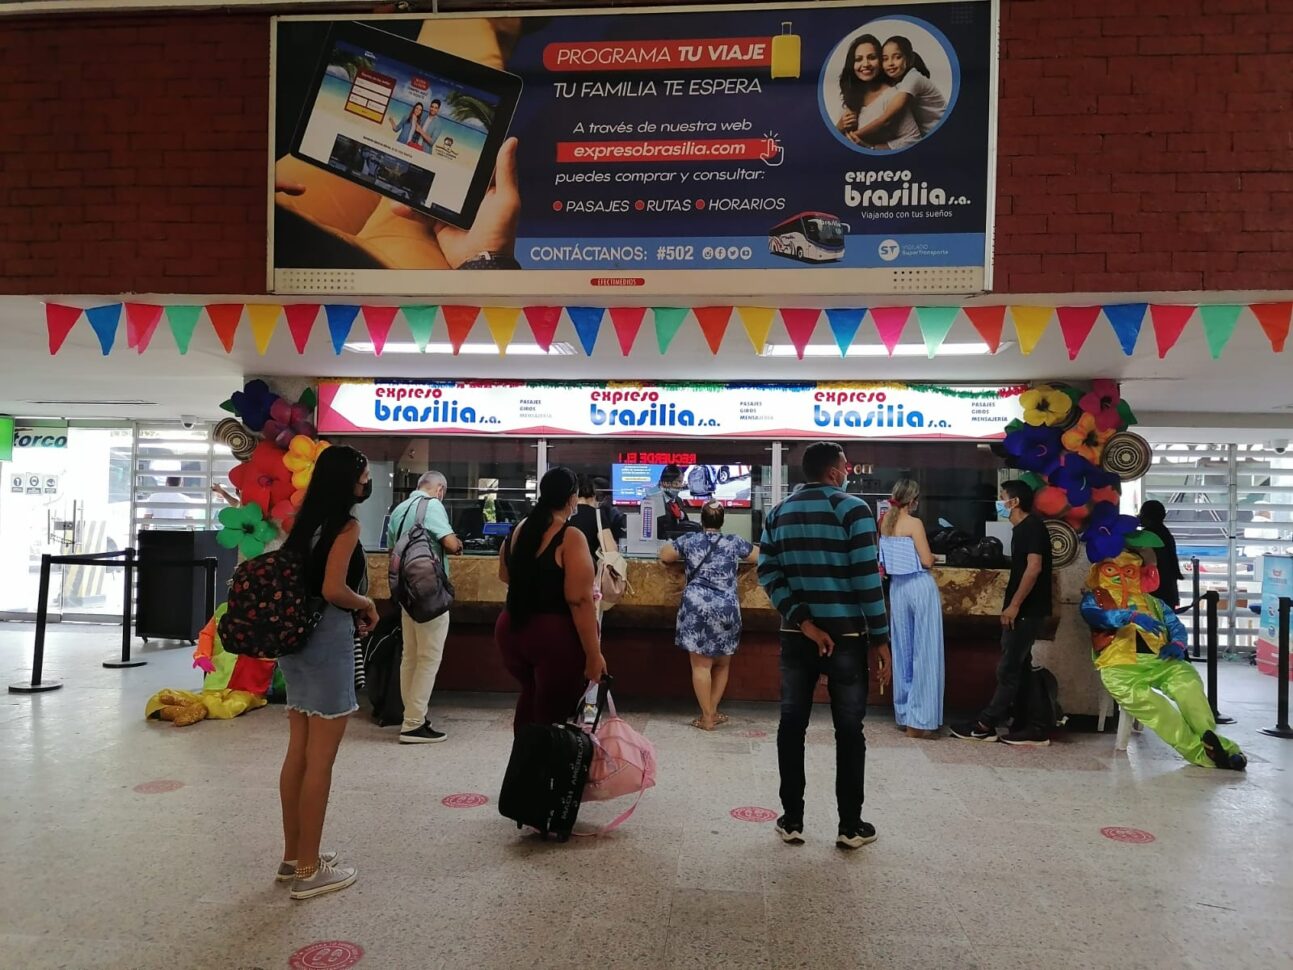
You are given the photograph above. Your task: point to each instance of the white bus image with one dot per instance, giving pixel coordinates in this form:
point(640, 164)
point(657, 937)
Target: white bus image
point(815, 237)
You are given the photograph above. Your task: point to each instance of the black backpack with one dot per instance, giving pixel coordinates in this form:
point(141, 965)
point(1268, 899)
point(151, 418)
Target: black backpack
point(1044, 704)
point(383, 651)
point(271, 612)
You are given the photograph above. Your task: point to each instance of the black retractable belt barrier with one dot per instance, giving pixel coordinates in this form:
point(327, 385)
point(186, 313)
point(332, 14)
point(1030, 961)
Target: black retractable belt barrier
point(126, 557)
point(1281, 728)
point(1212, 598)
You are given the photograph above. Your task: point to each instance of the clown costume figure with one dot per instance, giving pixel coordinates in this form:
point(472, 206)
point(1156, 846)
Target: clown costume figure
point(1138, 646)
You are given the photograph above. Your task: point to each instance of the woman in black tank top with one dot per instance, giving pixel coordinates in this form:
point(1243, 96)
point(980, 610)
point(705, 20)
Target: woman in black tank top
point(548, 632)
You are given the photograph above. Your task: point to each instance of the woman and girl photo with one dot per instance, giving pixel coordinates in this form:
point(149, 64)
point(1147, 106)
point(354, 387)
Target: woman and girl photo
point(890, 101)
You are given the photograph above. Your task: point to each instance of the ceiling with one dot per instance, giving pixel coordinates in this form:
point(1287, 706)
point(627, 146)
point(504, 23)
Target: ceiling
point(1248, 387)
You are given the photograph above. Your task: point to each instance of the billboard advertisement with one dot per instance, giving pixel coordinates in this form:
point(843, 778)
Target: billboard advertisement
point(837, 148)
point(898, 411)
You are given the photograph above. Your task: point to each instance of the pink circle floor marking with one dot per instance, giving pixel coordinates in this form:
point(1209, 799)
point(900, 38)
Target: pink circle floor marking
point(752, 813)
point(326, 955)
point(464, 800)
point(1119, 833)
point(158, 787)
point(753, 733)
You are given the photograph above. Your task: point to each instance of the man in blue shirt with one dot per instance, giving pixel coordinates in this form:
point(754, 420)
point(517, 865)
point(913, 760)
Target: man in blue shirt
point(818, 564)
point(423, 642)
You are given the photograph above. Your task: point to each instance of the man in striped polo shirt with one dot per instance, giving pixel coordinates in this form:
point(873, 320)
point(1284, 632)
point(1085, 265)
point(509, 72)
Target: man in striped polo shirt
point(818, 564)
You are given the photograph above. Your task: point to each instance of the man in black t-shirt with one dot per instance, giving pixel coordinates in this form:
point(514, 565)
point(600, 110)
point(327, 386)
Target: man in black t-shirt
point(1027, 606)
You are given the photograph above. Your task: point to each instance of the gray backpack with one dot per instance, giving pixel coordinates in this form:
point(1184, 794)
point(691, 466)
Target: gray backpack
point(417, 576)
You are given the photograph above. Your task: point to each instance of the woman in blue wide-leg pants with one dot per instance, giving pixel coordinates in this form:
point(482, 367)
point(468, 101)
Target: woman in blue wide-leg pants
point(916, 616)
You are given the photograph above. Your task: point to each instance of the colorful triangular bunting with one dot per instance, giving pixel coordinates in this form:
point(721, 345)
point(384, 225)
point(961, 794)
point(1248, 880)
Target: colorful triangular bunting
point(501, 321)
point(543, 322)
point(183, 320)
point(935, 324)
point(1169, 323)
point(800, 324)
point(889, 323)
point(587, 321)
point(420, 319)
point(1076, 324)
point(379, 320)
point(989, 321)
point(225, 318)
point(458, 321)
point(757, 321)
point(844, 325)
point(341, 317)
point(300, 322)
point(263, 318)
point(627, 321)
point(141, 323)
point(104, 320)
point(1274, 319)
point(668, 321)
point(1126, 320)
point(1030, 323)
point(713, 321)
point(1219, 325)
point(59, 321)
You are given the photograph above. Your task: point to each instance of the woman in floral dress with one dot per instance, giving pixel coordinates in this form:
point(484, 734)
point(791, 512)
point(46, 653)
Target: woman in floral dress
point(709, 618)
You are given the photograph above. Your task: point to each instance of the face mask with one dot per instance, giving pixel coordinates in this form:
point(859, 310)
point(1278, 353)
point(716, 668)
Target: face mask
point(366, 491)
point(1003, 511)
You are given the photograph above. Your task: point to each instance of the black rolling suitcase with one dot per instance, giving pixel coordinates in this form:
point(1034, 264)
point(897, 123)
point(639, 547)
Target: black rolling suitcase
point(383, 651)
point(546, 774)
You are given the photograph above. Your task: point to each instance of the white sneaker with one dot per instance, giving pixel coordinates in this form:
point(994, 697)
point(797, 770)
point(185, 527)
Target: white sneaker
point(327, 879)
point(287, 870)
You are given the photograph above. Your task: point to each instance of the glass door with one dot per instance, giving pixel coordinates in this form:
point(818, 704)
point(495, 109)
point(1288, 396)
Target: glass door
point(67, 497)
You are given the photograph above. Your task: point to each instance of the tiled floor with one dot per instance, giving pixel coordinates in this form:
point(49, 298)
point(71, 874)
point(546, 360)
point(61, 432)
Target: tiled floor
point(988, 856)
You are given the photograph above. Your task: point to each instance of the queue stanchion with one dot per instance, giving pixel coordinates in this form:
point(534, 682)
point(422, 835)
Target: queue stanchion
point(209, 567)
point(1281, 728)
point(36, 685)
point(1194, 566)
point(127, 614)
point(1212, 598)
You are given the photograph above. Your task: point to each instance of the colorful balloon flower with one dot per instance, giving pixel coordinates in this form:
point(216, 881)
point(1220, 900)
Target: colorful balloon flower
point(263, 479)
point(1045, 405)
point(245, 529)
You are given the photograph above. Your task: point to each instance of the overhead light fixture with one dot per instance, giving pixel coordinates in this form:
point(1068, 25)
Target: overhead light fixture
point(879, 350)
point(559, 349)
point(98, 402)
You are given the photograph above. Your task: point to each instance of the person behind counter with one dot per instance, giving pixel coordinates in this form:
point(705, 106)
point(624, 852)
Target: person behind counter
point(1153, 517)
point(593, 493)
point(1027, 605)
point(915, 615)
point(423, 642)
point(548, 632)
point(709, 617)
point(320, 677)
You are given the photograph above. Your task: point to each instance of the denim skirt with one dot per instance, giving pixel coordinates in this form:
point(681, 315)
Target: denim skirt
point(320, 677)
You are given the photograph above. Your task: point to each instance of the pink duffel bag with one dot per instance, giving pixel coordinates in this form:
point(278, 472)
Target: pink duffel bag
point(623, 763)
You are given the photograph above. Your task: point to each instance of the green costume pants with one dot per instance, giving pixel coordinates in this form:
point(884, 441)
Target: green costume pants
point(1146, 691)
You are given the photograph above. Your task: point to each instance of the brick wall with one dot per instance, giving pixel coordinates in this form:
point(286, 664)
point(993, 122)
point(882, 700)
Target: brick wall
point(1144, 145)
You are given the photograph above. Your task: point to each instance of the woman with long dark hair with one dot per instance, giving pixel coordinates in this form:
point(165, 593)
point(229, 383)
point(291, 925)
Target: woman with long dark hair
point(321, 676)
point(548, 632)
point(868, 96)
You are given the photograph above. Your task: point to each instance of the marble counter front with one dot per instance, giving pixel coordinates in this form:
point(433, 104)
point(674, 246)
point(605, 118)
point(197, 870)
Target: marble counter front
point(657, 590)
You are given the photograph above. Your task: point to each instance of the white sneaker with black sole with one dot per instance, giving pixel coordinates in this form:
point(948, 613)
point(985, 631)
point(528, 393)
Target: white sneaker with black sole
point(326, 879)
point(791, 830)
point(426, 734)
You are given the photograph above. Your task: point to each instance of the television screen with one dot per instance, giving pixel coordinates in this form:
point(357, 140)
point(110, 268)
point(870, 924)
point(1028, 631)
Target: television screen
point(701, 483)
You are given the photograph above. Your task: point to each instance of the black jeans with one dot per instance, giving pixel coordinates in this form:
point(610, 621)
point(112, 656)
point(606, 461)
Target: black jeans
point(1014, 675)
point(847, 680)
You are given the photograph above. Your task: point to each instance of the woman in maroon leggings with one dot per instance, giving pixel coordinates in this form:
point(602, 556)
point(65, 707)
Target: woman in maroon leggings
point(548, 631)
